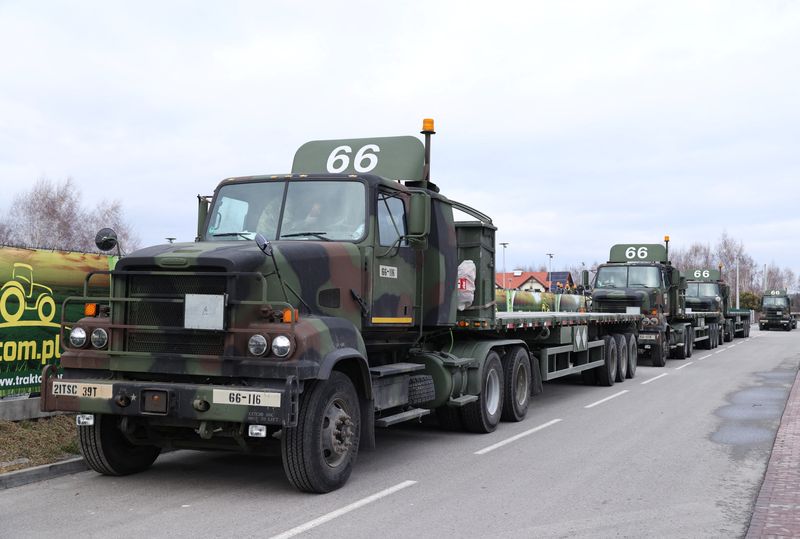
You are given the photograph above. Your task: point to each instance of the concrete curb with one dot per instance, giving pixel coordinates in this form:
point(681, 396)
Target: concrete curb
point(40, 473)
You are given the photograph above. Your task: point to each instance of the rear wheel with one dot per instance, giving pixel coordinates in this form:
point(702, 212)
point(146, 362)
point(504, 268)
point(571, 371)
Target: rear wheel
point(622, 358)
point(107, 451)
point(690, 349)
point(484, 414)
point(608, 372)
point(319, 453)
point(728, 331)
point(449, 418)
point(517, 384)
point(633, 355)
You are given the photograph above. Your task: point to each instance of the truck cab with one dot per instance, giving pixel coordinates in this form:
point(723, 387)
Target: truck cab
point(776, 311)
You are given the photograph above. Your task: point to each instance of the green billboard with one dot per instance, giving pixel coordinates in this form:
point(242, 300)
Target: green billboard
point(33, 286)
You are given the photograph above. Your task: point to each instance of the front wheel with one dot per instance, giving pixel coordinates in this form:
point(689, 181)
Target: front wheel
point(107, 451)
point(320, 452)
point(484, 414)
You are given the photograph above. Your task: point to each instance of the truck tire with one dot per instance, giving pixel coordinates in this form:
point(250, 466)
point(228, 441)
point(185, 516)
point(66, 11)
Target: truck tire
point(681, 351)
point(712, 335)
point(720, 334)
point(690, 350)
point(449, 418)
point(517, 384)
point(633, 355)
point(728, 331)
point(658, 353)
point(589, 377)
point(107, 451)
point(483, 415)
point(420, 389)
point(608, 372)
point(622, 358)
point(319, 453)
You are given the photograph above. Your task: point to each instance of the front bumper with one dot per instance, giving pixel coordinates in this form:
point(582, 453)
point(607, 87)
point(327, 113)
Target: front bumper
point(271, 403)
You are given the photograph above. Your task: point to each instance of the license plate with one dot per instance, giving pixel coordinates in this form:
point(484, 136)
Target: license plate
point(247, 398)
point(88, 391)
point(647, 337)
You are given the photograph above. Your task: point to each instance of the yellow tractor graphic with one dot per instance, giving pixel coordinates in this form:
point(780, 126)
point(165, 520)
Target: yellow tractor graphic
point(21, 294)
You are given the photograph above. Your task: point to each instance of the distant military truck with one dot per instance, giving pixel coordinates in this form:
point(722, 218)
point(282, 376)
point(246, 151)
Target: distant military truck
point(639, 278)
point(776, 311)
point(314, 307)
point(707, 292)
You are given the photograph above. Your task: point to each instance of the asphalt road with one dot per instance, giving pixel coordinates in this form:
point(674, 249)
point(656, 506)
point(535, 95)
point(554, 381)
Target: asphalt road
point(677, 451)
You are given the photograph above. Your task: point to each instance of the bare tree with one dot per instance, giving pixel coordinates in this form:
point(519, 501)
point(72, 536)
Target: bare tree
point(51, 216)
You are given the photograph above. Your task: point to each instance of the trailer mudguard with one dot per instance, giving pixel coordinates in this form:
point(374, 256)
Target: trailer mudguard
point(478, 350)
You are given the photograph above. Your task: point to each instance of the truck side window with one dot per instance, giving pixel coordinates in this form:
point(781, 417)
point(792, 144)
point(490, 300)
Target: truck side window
point(391, 219)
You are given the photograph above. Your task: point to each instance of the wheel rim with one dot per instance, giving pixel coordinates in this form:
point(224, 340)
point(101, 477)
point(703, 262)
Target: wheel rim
point(521, 385)
point(337, 433)
point(15, 316)
point(492, 392)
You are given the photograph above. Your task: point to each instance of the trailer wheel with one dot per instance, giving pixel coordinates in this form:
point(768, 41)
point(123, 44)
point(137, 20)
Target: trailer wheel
point(608, 372)
point(633, 355)
point(680, 352)
point(484, 414)
point(729, 331)
point(517, 384)
point(690, 348)
point(622, 358)
point(106, 450)
point(319, 453)
point(721, 334)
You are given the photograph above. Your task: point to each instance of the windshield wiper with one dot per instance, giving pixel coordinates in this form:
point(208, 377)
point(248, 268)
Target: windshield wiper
point(245, 235)
point(319, 235)
point(638, 284)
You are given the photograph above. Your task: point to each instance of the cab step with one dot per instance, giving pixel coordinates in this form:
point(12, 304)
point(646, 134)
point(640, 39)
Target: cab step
point(463, 400)
point(395, 368)
point(408, 415)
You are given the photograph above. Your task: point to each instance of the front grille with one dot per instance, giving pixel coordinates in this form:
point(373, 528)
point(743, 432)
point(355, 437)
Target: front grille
point(614, 305)
point(173, 343)
point(149, 313)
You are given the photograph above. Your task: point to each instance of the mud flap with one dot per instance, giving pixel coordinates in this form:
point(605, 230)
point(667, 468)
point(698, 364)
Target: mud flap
point(367, 424)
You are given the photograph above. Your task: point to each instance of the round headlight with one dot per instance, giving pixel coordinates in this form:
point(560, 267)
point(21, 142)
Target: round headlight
point(99, 338)
point(645, 321)
point(77, 337)
point(281, 346)
point(257, 345)
point(654, 321)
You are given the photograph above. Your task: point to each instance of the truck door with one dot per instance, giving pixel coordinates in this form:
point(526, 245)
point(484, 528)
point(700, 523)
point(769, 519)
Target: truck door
point(394, 274)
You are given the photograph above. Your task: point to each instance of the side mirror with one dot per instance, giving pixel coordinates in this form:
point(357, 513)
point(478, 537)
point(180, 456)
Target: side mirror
point(419, 215)
point(203, 202)
point(106, 239)
point(682, 285)
point(263, 244)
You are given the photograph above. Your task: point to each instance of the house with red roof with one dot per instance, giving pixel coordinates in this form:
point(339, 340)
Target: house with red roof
point(531, 281)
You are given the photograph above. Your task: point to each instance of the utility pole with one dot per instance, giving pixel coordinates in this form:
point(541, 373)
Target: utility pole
point(504, 244)
point(737, 282)
point(550, 272)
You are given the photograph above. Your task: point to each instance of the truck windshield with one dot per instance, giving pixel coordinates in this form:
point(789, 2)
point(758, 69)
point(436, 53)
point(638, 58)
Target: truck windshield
point(702, 290)
point(775, 302)
point(628, 277)
point(300, 209)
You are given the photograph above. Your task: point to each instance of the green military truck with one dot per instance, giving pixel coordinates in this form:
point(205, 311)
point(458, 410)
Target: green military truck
point(707, 292)
point(639, 279)
point(314, 307)
point(776, 311)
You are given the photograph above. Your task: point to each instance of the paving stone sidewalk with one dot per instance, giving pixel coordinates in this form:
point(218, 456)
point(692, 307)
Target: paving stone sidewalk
point(777, 510)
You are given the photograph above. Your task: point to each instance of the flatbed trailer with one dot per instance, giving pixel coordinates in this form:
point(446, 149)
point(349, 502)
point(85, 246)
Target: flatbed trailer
point(741, 320)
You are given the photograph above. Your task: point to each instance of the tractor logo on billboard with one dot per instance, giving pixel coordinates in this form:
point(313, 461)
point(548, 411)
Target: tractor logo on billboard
point(22, 293)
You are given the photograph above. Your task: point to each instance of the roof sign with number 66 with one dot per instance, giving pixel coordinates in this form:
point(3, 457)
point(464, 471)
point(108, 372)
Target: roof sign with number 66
point(396, 158)
point(702, 275)
point(645, 252)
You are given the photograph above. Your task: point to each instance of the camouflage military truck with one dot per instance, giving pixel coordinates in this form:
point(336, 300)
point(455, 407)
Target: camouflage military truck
point(640, 279)
point(312, 308)
point(776, 311)
point(707, 292)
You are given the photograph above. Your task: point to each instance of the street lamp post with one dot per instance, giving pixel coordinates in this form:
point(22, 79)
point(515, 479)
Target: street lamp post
point(737, 282)
point(550, 272)
point(504, 244)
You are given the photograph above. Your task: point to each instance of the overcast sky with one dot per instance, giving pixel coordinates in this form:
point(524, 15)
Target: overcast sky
point(575, 125)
